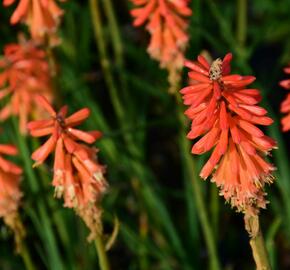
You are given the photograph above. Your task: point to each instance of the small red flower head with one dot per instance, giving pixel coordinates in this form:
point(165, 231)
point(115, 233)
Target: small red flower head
point(77, 177)
point(24, 74)
point(166, 23)
point(224, 114)
point(41, 16)
point(285, 106)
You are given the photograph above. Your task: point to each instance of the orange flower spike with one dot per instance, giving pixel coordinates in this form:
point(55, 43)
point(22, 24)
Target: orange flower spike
point(225, 113)
point(41, 16)
point(285, 105)
point(10, 175)
point(24, 74)
point(78, 177)
point(167, 25)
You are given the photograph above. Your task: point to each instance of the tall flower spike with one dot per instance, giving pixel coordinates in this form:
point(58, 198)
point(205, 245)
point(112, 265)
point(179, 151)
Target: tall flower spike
point(10, 194)
point(167, 24)
point(41, 16)
point(285, 106)
point(77, 177)
point(24, 74)
point(224, 114)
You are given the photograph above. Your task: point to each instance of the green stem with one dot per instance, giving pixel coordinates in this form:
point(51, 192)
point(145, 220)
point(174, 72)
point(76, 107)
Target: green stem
point(196, 19)
point(241, 22)
point(102, 255)
point(202, 212)
point(214, 210)
point(115, 32)
point(270, 240)
point(26, 257)
point(224, 28)
point(154, 204)
point(49, 237)
point(57, 216)
point(53, 75)
point(259, 252)
point(99, 36)
point(257, 243)
point(143, 228)
point(116, 43)
point(105, 63)
point(22, 144)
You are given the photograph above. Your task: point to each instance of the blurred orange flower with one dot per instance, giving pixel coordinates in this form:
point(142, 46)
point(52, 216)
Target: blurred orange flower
point(10, 174)
point(167, 25)
point(10, 194)
point(224, 112)
point(41, 16)
point(285, 106)
point(24, 73)
point(78, 177)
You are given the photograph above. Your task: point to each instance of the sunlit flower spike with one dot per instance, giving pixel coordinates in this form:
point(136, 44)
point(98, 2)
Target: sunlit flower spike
point(224, 113)
point(77, 175)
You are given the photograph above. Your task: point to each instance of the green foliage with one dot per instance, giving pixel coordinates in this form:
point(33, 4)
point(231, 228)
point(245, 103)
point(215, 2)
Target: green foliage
point(143, 145)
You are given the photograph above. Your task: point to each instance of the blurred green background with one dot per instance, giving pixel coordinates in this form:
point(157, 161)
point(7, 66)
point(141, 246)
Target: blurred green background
point(149, 166)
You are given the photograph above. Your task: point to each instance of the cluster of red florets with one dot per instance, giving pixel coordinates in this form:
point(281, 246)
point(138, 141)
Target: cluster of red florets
point(224, 113)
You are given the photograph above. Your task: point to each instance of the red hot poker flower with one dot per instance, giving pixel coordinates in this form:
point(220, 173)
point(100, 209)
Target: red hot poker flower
point(167, 26)
point(285, 106)
point(10, 174)
point(78, 177)
point(10, 194)
point(24, 74)
point(41, 16)
point(224, 114)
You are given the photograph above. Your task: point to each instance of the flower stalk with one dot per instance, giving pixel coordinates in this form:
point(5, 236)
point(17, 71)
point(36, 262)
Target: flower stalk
point(102, 255)
point(115, 34)
point(24, 253)
point(241, 22)
point(257, 243)
point(105, 64)
point(104, 60)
